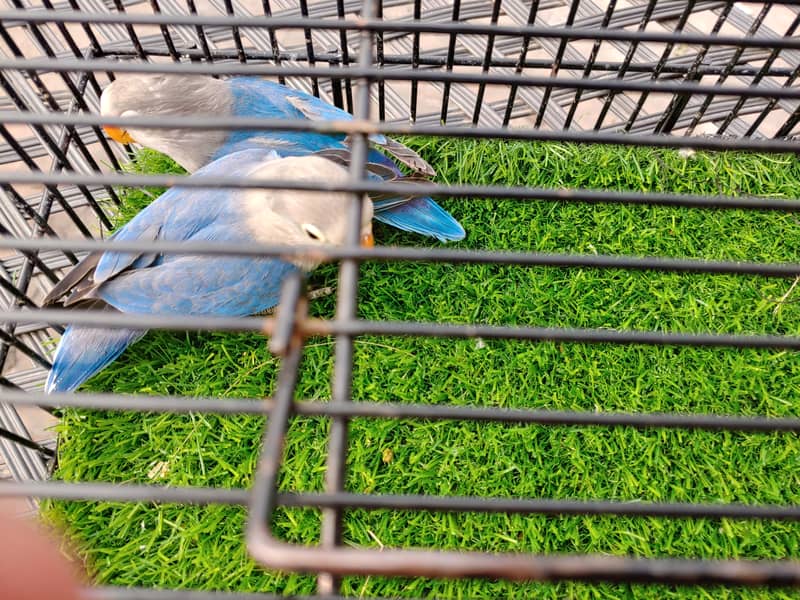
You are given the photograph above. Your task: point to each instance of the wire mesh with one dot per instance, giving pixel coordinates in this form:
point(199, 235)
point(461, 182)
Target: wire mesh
point(700, 74)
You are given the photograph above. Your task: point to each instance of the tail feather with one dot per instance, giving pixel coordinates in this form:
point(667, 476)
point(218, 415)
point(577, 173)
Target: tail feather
point(417, 215)
point(423, 216)
point(84, 351)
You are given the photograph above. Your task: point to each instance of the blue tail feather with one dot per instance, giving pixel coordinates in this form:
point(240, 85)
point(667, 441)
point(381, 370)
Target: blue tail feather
point(84, 351)
point(420, 215)
point(423, 216)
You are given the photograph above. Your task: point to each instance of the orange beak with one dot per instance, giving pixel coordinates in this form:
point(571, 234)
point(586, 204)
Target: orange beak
point(118, 135)
point(367, 241)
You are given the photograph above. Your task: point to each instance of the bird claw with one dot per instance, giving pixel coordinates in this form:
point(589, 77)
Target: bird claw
point(312, 295)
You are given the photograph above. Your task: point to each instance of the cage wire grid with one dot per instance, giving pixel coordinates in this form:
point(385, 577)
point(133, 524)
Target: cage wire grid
point(690, 74)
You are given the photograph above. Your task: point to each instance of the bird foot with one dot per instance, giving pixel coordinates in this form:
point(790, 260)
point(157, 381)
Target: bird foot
point(312, 295)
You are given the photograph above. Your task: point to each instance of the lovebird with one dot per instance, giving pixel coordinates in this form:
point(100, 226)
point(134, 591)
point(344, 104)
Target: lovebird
point(151, 283)
point(192, 95)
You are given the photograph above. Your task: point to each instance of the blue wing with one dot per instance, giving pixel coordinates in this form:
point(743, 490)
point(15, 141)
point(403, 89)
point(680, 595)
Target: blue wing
point(172, 284)
point(199, 285)
point(84, 351)
point(182, 214)
point(423, 216)
point(193, 285)
point(255, 97)
point(189, 285)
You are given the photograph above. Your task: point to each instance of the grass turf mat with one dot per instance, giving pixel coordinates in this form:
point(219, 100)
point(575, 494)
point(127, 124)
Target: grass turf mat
point(201, 547)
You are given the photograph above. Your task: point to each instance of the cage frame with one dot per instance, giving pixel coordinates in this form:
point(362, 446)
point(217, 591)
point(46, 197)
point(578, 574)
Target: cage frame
point(352, 82)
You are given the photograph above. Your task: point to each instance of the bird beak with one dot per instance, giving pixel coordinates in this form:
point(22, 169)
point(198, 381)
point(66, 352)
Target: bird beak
point(118, 135)
point(367, 241)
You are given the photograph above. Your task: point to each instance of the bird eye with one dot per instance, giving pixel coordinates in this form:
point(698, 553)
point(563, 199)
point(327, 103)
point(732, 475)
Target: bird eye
point(313, 232)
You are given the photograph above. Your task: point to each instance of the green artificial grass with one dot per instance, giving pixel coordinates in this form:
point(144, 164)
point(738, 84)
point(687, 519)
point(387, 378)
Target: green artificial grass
point(152, 545)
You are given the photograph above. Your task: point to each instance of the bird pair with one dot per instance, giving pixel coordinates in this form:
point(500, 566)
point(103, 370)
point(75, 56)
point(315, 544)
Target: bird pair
point(158, 284)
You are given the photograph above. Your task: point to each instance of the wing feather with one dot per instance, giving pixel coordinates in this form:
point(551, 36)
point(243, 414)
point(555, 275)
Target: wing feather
point(79, 276)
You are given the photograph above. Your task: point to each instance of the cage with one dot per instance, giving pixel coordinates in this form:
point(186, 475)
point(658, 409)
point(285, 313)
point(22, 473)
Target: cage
point(691, 76)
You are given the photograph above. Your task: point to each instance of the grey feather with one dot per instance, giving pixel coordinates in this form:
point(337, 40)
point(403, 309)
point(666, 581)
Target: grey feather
point(408, 157)
point(342, 157)
point(73, 280)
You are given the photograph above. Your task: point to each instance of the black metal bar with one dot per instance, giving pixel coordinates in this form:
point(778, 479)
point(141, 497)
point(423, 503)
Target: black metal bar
point(201, 35)
point(263, 495)
point(345, 52)
point(346, 310)
point(487, 59)
point(589, 336)
point(396, 253)
point(441, 60)
point(382, 62)
point(397, 410)
point(356, 126)
point(58, 150)
point(539, 506)
point(237, 38)
point(30, 254)
point(751, 32)
point(137, 44)
point(401, 75)
point(31, 164)
point(310, 46)
point(375, 25)
point(590, 62)
point(280, 555)
point(451, 51)
point(76, 51)
point(118, 492)
point(687, 11)
point(273, 40)
point(790, 123)
point(71, 135)
point(21, 297)
point(288, 313)
point(237, 496)
point(23, 441)
point(10, 384)
point(120, 593)
point(645, 20)
point(395, 328)
point(522, 62)
point(165, 33)
point(677, 105)
point(125, 320)
point(13, 341)
point(415, 62)
point(562, 47)
point(101, 138)
point(336, 87)
point(520, 567)
point(94, 44)
point(417, 189)
point(763, 72)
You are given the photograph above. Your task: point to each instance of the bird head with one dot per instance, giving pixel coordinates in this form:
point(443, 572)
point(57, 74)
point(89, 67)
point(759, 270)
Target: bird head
point(165, 96)
point(307, 218)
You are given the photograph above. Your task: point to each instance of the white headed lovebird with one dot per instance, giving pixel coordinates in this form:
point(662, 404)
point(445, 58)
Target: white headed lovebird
point(178, 284)
point(147, 95)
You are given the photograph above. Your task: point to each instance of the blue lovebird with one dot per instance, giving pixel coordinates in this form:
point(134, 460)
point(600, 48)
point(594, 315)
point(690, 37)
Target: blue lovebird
point(191, 95)
point(152, 283)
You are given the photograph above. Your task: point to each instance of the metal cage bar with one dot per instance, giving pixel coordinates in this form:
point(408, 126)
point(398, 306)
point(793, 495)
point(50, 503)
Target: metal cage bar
point(359, 54)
